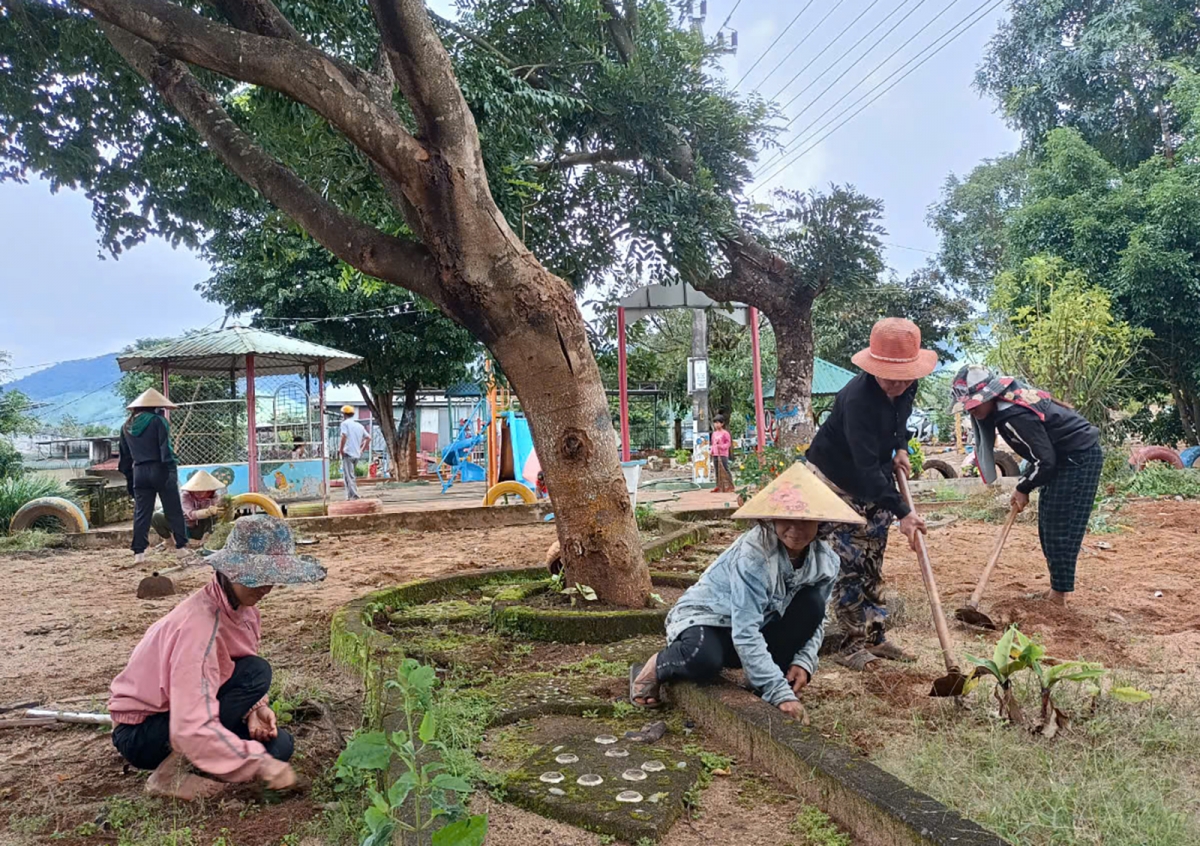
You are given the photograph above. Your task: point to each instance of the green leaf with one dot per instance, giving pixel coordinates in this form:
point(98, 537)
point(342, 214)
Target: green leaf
point(586, 592)
point(366, 751)
point(375, 819)
point(432, 767)
point(378, 800)
point(1073, 671)
point(428, 730)
point(423, 679)
point(1002, 654)
point(400, 789)
point(381, 836)
point(986, 665)
point(1129, 694)
point(466, 832)
point(445, 781)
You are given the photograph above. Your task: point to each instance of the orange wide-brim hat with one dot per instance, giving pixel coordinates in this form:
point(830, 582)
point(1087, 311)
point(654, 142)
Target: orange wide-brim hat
point(895, 351)
point(797, 494)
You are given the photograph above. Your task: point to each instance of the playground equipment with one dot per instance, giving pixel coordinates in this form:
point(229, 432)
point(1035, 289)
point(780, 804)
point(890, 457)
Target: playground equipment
point(458, 458)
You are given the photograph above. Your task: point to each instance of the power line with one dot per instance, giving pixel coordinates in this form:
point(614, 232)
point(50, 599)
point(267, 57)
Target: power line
point(800, 43)
point(764, 53)
point(851, 49)
point(779, 154)
point(812, 146)
point(729, 17)
point(813, 60)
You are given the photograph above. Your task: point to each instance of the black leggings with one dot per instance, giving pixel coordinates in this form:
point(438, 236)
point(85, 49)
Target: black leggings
point(147, 744)
point(701, 652)
point(156, 479)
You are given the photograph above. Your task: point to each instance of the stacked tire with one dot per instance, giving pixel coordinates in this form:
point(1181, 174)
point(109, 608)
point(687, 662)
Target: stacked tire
point(1143, 456)
point(355, 507)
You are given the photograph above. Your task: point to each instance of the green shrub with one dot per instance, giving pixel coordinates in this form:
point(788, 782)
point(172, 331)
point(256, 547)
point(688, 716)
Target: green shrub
point(683, 456)
point(10, 461)
point(16, 491)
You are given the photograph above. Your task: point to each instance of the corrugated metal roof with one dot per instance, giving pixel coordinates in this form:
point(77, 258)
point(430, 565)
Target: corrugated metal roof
point(827, 379)
point(223, 351)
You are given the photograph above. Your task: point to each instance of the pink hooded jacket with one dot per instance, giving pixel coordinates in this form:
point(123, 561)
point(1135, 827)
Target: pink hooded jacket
point(179, 665)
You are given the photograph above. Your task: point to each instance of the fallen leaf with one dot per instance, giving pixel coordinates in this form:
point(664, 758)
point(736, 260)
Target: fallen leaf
point(721, 772)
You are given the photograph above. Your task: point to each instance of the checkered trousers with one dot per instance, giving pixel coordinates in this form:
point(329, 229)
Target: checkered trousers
point(1064, 506)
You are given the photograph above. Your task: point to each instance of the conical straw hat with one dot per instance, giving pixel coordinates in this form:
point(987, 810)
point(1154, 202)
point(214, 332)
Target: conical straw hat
point(151, 398)
point(202, 480)
point(797, 494)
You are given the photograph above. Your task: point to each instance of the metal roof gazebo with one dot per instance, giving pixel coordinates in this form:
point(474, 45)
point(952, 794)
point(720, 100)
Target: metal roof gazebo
point(238, 353)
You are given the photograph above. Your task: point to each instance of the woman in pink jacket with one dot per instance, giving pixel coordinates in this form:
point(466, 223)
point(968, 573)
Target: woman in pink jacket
point(195, 690)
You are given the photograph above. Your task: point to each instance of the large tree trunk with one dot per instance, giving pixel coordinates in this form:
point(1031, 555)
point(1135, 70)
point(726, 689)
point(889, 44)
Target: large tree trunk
point(793, 379)
point(381, 404)
point(407, 470)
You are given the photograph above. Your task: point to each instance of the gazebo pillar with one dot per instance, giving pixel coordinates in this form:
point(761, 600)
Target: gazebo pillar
point(322, 435)
point(756, 354)
point(251, 424)
point(166, 390)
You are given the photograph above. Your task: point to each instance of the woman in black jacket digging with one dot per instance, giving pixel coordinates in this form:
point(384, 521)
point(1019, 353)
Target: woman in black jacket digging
point(150, 469)
point(1063, 453)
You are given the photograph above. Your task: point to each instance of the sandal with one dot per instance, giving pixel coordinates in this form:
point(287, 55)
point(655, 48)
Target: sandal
point(642, 690)
point(891, 652)
point(855, 660)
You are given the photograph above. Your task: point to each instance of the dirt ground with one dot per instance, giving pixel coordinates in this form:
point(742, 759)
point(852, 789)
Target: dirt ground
point(73, 619)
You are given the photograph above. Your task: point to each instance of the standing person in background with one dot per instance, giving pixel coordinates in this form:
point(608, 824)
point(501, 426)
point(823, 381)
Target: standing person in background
point(1063, 452)
point(722, 443)
point(151, 470)
point(858, 450)
point(352, 440)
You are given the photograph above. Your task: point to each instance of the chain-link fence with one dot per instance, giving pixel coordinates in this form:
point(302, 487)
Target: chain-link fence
point(649, 427)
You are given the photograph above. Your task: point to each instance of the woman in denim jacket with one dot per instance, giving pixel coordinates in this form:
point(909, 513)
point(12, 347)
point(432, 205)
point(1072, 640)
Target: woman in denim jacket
point(761, 605)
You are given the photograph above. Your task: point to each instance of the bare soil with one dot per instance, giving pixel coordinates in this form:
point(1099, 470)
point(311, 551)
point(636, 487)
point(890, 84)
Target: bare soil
point(73, 619)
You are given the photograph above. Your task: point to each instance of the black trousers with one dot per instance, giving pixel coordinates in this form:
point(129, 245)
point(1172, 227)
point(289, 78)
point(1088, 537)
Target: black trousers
point(701, 652)
point(151, 480)
point(148, 744)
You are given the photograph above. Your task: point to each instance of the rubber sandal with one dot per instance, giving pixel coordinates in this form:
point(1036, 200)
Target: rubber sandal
point(855, 660)
point(891, 652)
point(643, 691)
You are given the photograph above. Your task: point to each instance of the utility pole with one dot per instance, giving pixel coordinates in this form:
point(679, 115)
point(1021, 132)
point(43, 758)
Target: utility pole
point(700, 411)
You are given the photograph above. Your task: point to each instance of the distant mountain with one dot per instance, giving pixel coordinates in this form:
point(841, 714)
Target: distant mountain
point(84, 388)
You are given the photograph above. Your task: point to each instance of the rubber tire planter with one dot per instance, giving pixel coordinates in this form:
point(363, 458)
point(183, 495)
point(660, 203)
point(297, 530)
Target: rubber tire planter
point(942, 468)
point(1145, 455)
point(497, 491)
point(355, 507)
point(64, 511)
point(307, 509)
point(1006, 464)
point(261, 501)
point(1190, 456)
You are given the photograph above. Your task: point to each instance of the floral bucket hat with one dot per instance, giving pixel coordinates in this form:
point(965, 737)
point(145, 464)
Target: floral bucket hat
point(261, 551)
point(974, 385)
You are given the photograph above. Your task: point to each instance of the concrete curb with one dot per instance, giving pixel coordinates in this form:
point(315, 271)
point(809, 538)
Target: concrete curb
point(876, 807)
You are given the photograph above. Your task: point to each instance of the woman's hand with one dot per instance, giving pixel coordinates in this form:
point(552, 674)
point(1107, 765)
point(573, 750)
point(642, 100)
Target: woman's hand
point(798, 678)
point(1019, 501)
point(262, 724)
point(278, 775)
point(794, 710)
point(900, 462)
point(912, 524)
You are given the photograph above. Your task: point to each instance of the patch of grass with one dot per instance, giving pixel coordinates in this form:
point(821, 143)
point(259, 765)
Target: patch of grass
point(1160, 479)
point(594, 665)
point(31, 541)
point(623, 710)
point(28, 823)
point(982, 504)
point(815, 828)
point(647, 518)
point(16, 491)
point(151, 822)
point(1125, 774)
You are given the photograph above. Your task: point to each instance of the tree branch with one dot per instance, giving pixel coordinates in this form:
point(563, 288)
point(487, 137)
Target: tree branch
point(294, 68)
point(620, 30)
point(426, 77)
point(473, 38)
point(375, 253)
point(570, 160)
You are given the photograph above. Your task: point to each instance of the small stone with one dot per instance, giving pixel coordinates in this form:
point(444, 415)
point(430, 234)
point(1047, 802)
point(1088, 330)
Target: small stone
point(617, 753)
point(551, 777)
point(682, 765)
point(1158, 594)
point(557, 791)
point(567, 758)
point(630, 796)
point(1114, 617)
point(589, 780)
point(657, 797)
point(606, 739)
point(654, 766)
point(634, 775)
point(557, 749)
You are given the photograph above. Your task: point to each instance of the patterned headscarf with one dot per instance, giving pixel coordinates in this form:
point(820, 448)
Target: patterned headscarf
point(974, 385)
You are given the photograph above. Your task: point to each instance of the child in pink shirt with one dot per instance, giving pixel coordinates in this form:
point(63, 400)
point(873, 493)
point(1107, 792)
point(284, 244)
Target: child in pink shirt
point(722, 442)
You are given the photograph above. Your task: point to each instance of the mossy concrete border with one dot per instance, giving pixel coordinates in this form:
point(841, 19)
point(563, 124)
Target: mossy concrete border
point(660, 548)
point(877, 808)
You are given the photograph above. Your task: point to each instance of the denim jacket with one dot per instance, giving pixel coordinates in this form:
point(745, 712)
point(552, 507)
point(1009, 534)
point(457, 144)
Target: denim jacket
point(749, 585)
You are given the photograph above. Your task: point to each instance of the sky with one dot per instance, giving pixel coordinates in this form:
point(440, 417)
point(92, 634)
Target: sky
point(62, 300)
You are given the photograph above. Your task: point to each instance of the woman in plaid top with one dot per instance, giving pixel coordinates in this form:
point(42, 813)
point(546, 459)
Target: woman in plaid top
point(1063, 453)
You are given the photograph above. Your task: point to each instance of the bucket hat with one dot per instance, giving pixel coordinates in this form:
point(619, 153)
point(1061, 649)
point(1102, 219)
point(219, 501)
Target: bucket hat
point(974, 385)
point(201, 481)
point(797, 494)
point(895, 351)
point(261, 551)
point(151, 398)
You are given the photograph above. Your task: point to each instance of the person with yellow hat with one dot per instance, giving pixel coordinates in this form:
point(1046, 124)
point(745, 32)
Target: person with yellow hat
point(201, 502)
point(352, 440)
point(858, 450)
point(151, 470)
point(761, 605)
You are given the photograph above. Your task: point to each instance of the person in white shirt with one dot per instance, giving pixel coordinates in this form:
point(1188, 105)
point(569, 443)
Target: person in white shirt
point(351, 443)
